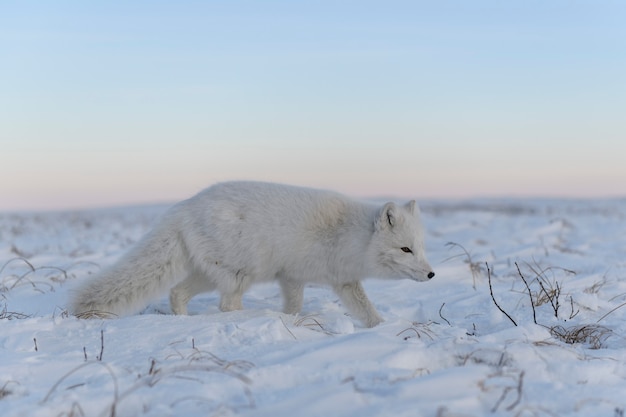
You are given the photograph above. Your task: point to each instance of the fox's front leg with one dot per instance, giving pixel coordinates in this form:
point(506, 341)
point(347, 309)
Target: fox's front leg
point(293, 295)
point(357, 303)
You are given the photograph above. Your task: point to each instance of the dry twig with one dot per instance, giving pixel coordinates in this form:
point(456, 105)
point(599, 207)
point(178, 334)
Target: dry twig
point(442, 317)
point(494, 299)
point(532, 304)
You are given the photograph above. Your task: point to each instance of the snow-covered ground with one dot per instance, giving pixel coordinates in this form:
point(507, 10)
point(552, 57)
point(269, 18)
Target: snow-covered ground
point(444, 350)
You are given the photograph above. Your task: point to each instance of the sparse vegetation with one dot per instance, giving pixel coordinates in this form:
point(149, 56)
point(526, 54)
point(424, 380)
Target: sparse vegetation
point(436, 336)
point(198, 362)
point(41, 278)
point(11, 315)
point(474, 267)
point(592, 334)
point(418, 330)
point(5, 390)
point(310, 321)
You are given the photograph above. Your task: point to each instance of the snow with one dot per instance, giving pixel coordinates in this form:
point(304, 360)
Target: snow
point(444, 349)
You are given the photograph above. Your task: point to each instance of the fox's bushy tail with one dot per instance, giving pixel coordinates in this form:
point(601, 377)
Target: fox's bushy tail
point(155, 264)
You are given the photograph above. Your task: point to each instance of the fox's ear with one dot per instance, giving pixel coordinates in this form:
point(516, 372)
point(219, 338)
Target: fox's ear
point(387, 216)
point(410, 206)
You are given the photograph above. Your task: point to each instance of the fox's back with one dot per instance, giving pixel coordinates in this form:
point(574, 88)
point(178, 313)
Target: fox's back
point(272, 207)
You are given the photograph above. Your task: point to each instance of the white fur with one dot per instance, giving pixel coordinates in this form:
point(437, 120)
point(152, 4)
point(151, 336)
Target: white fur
point(234, 234)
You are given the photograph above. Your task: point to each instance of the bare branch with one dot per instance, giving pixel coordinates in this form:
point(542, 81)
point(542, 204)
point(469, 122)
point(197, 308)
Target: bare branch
point(494, 299)
point(440, 315)
point(530, 295)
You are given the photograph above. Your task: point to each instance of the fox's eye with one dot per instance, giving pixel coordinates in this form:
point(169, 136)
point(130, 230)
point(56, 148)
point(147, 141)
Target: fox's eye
point(406, 250)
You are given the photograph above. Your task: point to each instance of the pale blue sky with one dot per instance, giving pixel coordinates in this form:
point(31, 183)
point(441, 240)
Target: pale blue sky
point(119, 102)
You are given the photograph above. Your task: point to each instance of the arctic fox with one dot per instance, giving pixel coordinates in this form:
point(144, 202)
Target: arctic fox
point(234, 234)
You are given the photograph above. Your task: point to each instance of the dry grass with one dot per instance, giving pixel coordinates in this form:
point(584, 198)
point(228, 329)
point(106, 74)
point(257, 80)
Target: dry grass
point(611, 312)
point(309, 321)
point(418, 330)
point(550, 290)
point(12, 281)
point(11, 315)
point(592, 334)
point(551, 287)
point(40, 278)
point(475, 267)
point(197, 363)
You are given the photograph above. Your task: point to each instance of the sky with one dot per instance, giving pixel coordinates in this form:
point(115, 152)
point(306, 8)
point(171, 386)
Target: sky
point(106, 103)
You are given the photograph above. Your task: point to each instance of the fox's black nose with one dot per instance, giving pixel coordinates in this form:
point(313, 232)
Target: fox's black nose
point(431, 275)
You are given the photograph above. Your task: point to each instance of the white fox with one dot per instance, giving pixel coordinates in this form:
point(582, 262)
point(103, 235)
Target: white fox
point(234, 234)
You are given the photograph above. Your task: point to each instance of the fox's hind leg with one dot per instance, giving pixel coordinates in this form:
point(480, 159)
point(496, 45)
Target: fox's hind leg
point(293, 294)
point(354, 298)
point(195, 283)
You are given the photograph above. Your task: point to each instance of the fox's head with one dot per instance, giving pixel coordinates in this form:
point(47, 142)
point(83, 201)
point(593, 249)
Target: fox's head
point(398, 243)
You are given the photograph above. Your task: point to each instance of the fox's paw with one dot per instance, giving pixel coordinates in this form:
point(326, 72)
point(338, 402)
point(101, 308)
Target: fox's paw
point(373, 321)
